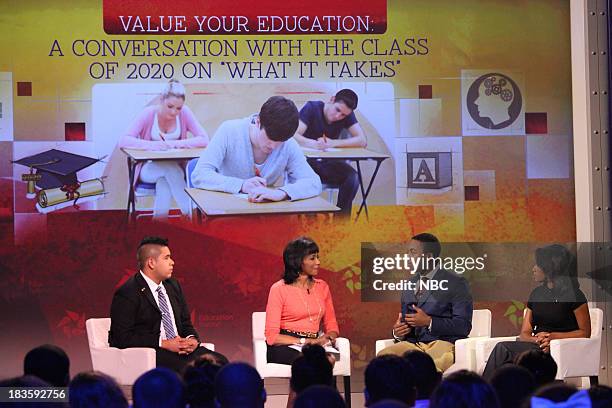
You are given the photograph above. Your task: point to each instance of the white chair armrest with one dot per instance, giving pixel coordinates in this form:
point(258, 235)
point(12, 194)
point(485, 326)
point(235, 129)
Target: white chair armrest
point(260, 351)
point(381, 344)
point(484, 347)
point(577, 357)
point(465, 353)
point(125, 365)
point(343, 366)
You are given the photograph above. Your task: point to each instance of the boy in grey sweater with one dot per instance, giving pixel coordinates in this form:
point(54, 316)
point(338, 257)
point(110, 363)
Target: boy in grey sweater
point(249, 155)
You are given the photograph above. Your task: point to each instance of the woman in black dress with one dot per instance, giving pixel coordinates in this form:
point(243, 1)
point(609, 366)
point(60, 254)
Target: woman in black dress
point(557, 309)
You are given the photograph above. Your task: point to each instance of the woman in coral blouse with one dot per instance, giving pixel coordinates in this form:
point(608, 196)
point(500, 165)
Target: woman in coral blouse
point(299, 304)
point(164, 126)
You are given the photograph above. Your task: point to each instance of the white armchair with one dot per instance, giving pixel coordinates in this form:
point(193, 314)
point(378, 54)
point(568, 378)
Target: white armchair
point(577, 357)
point(465, 358)
point(266, 370)
point(125, 365)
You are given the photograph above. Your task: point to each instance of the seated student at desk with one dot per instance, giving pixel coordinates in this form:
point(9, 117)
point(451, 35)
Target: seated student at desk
point(249, 155)
point(320, 126)
point(161, 127)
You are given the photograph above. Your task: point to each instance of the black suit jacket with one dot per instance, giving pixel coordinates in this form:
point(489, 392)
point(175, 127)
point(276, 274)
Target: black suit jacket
point(136, 318)
point(450, 310)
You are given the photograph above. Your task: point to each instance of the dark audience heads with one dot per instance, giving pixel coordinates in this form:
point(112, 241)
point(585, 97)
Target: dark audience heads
point(159, 387)
point(239, 385)
point(428, 376)
point(49, 363)
point(513, 385)
point(319, 396)
point(389, 404)
point(96, 390)
point(540, 364)
point(311, 368)
point(601, 396)
point(559, 392)
point(463, 389)
point(389, 377)
point(200, 383)
point(279, 117)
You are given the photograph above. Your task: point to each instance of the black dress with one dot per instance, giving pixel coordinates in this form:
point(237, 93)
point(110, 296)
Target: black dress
point(552, 310)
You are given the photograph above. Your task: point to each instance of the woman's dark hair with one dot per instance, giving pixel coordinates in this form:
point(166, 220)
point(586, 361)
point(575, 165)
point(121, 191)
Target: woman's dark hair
point(558, 265)
point(293, 256)
point(311, 368)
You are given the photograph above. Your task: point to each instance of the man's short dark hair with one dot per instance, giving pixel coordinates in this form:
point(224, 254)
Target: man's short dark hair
point(49, 363)
point(145, 248)
point(279, 117)
point(464, 389)
point(348, 97)
point(97, 390)
point(159, 387)
point(389, 377)
point(513, 385)
point(540, 364)
point(239, 385)
point(431, 244)
point(311, 368)
point(428, 376)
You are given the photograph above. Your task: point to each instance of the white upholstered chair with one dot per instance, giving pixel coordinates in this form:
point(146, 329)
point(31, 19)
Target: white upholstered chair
point(574, 357)
point(124, 365)
point(267, 370)
point(464, 348)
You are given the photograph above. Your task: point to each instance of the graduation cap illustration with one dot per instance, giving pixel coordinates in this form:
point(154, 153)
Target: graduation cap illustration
point(55, 168)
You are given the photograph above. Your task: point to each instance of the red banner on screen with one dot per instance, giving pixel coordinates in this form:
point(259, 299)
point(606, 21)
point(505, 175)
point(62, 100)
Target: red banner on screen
point(245, 17)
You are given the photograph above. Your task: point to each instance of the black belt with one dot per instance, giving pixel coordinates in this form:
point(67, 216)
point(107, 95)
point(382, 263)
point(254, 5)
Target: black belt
point(299, 334)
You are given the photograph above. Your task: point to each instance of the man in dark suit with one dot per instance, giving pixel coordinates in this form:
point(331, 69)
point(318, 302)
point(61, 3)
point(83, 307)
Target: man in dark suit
point(432, 319)
point(149, 310)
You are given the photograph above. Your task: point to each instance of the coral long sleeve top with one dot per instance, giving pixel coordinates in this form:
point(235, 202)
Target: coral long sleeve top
point(292, 308)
